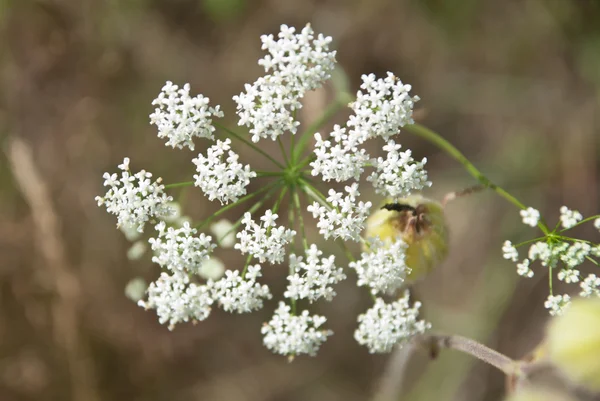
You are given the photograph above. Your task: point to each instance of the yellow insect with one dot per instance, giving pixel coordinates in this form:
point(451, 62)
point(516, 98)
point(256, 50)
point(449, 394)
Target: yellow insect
point(420, 223)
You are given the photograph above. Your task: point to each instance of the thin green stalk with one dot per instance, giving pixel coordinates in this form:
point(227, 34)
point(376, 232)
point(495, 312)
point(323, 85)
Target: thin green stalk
point(593, 261)
point(300, 219)
point(329, 112)
point(236, 203)
point(280, 143)
point(582, 221)
point(269, 173)
point(179, 184)
point(250, 144)
point(447, 147)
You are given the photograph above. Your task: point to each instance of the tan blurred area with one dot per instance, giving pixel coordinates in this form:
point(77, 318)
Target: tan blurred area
point(513, 84)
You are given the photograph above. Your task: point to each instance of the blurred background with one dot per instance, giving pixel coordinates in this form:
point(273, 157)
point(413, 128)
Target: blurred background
point(513, 84)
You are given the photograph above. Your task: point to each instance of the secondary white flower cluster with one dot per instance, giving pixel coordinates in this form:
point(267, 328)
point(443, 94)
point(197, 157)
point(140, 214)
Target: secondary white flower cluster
point(383, 267)
point(387, 325)
point(236, 294)
point(314, 278)
point(180, 117)
point(178, 249)
point(380, 111)
point(264, 241)
point(298, 63)
point(344, 216)
point(554, 250)
point(289, 334)
point(134, 199)
point(220, 175)
point(177, 299)
point(398, 175)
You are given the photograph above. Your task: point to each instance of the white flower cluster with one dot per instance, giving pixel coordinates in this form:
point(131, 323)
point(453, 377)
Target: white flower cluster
point(298, 63)
point(380, 111)
point(134, 199)
point(338, 159)
point(236, 294)
point(398, 175)
point(220, 175)
point(345, 217)
point(569, 218)
point(383, 268)
point(264, 241)
point(177, 249)
point(289, 334)
point(314, 278)
point(557, 304)
point(387, 325)
point(530, 216)
point(590, 286)
point(554, 250)
point(176, 299)
point(180, 117)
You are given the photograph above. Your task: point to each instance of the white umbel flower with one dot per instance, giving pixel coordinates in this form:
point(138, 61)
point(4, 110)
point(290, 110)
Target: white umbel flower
point(523, 268)
point(347, 216)
point(180, 117)
point(178, 249)
point(597, 224)
point(387, 325)
point(569, 218)
point(590, 286)
point(264, 241)
point(530, 216)
point(398, 175)
point(313, 278)
point(220, 175)
point(134, 199)
point(509, 251)
point(177, 300)
point(382, 109)
point(291, 335)
point(557, 304)
point(338, 158)
point(383, 269)
point(297, 63)
point(236, 294)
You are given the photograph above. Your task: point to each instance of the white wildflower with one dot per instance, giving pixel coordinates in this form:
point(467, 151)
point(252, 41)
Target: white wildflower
point(597, 223)
point(530, 216)
point(387, 325)
point(569, 275)
point(212, 269)
point(180, 117)
point(590, 286)
point(383, 108)
point(344, 216)
point(509, 251)
point(398, 175)
point(134, 199)
point(178, 249)
point(383, 268)
point(177, 300)
point(291, 335)
point(523, 269)
point(338, 158)
point(220, 175)
point(224, 233)
point(236, 294)
point(313, 279)
point(266, 241)
point(137, 250)
point(568, 217)
point(576, 254)
point(557, 304)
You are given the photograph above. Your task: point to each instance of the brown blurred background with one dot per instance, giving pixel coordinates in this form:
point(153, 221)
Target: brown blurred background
point(513, 84)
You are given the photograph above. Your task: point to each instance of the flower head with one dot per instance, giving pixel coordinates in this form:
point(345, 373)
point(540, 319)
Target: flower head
point(235, 293)
point(265, 241)
point(568, 217)
point(530, 216)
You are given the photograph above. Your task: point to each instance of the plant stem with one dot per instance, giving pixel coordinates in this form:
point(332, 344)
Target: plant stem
point(447, 147)
point(179, 184)
point(280, 143)
point(250, 144)
point(300, 218)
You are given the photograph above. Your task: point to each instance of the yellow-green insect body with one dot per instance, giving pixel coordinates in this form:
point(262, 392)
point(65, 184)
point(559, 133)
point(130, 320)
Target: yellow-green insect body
point(420, 223)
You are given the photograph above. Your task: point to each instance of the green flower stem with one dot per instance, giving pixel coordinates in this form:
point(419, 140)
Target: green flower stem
point(248, 259)
point(269, 173)
point(280, 143)
point(248, 143)
point(179, 184)
point(335, 106)
point(237, 203)
point(447, 147)
point(529, 241)
point(593, 261)
point(300, 218)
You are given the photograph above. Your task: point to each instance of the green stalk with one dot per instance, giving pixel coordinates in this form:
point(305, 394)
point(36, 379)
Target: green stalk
point(179, 184)
point(250, 144)
point(447, 147)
